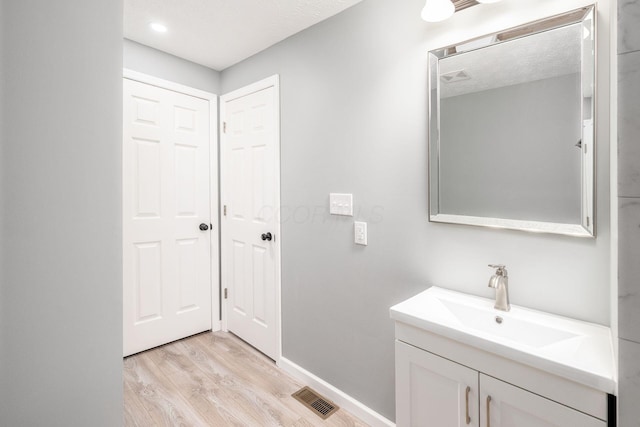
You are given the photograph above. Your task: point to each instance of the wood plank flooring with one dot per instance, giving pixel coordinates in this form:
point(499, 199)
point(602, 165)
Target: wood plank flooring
point(214, 379)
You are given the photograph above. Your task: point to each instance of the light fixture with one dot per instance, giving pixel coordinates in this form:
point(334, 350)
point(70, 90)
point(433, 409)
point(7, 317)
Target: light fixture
point(437, 10)
point(487, 1)
point(160, 28)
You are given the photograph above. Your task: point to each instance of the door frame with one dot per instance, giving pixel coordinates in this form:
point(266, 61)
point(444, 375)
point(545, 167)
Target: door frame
point(213, 175)
point(272, 81)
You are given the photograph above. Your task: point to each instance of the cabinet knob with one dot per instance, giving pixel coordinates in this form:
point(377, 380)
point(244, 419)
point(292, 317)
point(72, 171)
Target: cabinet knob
point(204, 227)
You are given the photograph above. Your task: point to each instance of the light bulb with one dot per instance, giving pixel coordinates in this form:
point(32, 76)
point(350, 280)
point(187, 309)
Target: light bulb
point(437, 10)
point(156, 26)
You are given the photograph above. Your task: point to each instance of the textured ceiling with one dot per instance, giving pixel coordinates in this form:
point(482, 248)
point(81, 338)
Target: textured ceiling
point(540, 56)
point(220, 33)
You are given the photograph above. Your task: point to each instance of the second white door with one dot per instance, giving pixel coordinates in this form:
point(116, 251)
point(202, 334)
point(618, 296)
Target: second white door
point(250, 228)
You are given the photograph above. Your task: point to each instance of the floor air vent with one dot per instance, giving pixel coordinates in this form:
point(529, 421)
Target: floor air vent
point(318, 404)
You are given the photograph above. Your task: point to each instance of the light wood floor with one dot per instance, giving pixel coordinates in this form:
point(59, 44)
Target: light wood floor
point(214, 379)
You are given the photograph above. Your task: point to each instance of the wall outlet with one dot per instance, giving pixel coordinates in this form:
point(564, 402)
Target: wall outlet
point(360, 230)
point(341, 204)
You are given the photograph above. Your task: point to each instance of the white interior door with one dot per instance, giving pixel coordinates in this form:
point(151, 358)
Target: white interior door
point(166, 198)
point(250, 228)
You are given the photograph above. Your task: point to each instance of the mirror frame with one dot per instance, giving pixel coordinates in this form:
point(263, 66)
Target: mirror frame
point(587, 228)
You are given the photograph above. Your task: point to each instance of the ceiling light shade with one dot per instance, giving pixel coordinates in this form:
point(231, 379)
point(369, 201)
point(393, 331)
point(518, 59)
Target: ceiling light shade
point(156, 26)
point(437, 10)
point(487, 1)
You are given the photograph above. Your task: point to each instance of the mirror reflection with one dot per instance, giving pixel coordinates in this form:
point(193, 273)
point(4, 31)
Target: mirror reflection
point(511, 126)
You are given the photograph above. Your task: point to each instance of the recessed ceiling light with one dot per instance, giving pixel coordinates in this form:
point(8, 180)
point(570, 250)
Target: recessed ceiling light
point(156, 26)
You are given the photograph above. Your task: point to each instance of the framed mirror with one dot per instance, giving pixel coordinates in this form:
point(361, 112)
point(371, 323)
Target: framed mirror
point(511, 128)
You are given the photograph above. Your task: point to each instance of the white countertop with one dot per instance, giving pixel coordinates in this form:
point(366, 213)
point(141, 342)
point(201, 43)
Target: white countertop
point(572, 349)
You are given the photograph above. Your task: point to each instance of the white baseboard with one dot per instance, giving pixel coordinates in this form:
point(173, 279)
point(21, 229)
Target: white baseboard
point(348, 403)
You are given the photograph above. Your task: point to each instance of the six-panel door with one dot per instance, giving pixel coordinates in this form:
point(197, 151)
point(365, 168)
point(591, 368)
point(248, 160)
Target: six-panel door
point(249, 242)
point(166, 197)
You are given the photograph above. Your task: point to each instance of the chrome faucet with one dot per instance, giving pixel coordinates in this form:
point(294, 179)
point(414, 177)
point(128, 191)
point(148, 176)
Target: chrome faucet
point(500, 282)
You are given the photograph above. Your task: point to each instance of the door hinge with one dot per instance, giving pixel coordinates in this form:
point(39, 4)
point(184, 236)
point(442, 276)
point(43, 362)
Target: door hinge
point(226, 294)
point(211, 227)
point(224, 127)
point(588, 222)
point(224, 210)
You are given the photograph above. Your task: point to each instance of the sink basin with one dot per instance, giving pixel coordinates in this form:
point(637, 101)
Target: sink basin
point(574, 349)
point(503, 325)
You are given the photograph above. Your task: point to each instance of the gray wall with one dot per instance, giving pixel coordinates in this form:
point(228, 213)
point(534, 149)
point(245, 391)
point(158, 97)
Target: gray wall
point(2, 297)
point(61, 277)
point(353, 108)
point(510, 152)
point(629, 211)
point(160, 64)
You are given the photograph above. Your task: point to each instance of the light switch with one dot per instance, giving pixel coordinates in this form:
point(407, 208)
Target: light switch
point(341, 204)
point(360, 229)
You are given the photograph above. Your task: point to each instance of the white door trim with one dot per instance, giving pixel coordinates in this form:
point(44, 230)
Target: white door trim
point(213, 174)
point(273, 81)
point(166, 84)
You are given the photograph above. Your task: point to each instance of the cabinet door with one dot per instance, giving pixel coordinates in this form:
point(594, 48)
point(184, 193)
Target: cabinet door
point(503, 405)
point(432, 391)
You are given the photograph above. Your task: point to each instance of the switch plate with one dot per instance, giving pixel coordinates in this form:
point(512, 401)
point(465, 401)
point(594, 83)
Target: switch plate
point(341, 204)
point(360, 231)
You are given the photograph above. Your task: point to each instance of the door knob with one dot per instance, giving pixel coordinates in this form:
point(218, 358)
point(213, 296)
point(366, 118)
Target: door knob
point(267, 236)
point(204, 227)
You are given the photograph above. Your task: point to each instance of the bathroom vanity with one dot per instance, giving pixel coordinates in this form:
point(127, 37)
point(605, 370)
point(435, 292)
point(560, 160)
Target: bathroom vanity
point(461, 362)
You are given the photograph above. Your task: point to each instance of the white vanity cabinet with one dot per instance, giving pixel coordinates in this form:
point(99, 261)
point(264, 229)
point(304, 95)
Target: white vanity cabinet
point(461, 363)
point(504, 405)
point(432, 391)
